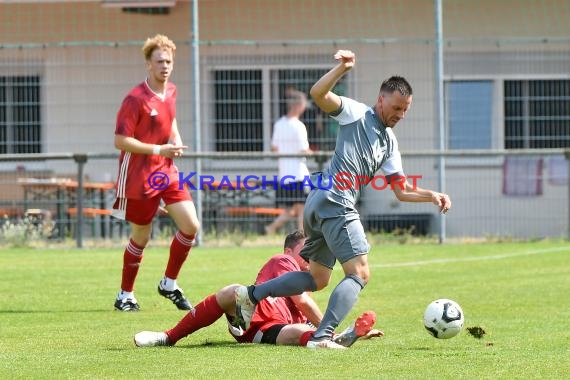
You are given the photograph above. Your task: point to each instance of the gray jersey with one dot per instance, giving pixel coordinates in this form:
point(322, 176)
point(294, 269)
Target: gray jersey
point(363, 146)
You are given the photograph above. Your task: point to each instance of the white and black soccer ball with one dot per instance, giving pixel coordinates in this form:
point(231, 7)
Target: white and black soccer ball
point(443, 318)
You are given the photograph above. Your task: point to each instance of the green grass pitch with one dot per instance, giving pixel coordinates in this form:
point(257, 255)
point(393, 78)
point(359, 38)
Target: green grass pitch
point(57, 319)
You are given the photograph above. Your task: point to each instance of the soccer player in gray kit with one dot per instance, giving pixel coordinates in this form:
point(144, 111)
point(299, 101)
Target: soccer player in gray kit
point(365, 144)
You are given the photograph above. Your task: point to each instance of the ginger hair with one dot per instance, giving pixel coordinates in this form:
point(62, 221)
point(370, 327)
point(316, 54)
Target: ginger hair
point(157, 42)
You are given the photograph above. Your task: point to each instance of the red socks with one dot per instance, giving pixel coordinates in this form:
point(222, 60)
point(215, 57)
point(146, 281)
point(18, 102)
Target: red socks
point(204, 314)
point(131, 261)
point(307, 335)
point(179, 248)
point(133, 255)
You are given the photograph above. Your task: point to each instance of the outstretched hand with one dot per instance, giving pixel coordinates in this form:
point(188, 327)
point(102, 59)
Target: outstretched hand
point(442, 201)
point(374, 333)
point(346, 57)
point(171, 150)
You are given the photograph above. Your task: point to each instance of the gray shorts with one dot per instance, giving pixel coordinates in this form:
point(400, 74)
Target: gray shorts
point(333, 229)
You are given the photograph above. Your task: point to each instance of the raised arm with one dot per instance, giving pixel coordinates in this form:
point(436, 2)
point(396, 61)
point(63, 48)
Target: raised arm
point(321, 91)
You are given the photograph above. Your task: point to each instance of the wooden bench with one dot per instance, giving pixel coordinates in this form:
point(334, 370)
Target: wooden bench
point(10, 212)
point(89, 211)
point(92, 213)
point(244, 211)
point(247, 218)
point(12, 202)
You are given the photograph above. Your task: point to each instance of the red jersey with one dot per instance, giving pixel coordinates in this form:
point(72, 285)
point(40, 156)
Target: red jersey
point(280, 310)
point(148, 118)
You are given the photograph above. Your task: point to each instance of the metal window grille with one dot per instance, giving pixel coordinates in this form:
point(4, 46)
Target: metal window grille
point(240, 101)
point(537, 114)
point(238, 110)
point(20, 124)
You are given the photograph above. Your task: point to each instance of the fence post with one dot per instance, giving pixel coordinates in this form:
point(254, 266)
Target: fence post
point(80, 159)
point(438, 21)
point(567, 155)
point(196, 102)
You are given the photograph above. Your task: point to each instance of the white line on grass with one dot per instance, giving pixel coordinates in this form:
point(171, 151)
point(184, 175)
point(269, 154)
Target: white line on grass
point(471, 258)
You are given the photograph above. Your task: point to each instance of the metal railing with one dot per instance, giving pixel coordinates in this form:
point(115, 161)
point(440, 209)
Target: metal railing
point(457, 173)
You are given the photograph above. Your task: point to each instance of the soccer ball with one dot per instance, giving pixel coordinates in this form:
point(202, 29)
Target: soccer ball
point(443, 318)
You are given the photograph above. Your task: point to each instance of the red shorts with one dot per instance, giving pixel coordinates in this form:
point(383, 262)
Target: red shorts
point(141, 211)
point(251, 335)
point(266, 317)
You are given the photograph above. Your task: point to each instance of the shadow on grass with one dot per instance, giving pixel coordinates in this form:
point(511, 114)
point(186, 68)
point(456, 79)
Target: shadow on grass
point(215, 344)
point(204, 345)
point(417, 349)
point(54, 311)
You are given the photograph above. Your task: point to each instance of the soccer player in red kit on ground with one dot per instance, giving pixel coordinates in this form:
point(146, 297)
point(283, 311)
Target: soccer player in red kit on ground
point(275, 321)
point(148, 137)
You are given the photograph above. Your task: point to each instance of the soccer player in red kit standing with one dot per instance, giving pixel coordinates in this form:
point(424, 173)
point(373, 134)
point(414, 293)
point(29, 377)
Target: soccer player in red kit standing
point(148, 137)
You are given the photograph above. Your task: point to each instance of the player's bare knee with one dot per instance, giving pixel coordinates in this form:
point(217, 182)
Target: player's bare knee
point(226, 298)
point(321, 282)
point(141, 241)
point(357, 266)
point(140, 234)
point(363, 272)
point(191, 229)
point(194, 224)
point(364, 276)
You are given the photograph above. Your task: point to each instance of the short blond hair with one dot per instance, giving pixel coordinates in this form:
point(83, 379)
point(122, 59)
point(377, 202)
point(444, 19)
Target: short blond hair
point(294, 98)
point(157, 42)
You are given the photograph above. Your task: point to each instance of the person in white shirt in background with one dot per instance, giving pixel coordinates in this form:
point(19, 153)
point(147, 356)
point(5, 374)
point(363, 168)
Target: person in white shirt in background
point(290, 136)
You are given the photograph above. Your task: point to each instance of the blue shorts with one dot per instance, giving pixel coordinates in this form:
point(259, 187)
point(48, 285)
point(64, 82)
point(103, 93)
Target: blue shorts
point(333, 229)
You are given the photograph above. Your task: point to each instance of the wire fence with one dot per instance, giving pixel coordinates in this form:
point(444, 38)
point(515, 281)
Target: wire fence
point(65, 67)
point(506, 194)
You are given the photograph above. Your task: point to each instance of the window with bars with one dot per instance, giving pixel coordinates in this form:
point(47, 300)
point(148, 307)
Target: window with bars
point(537, 114)
point(20, 122)
point(240, 103)
point(238, 110)
point(321, 129)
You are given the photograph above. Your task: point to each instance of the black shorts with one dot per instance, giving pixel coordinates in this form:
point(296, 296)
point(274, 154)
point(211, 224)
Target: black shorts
point(288, 194)
point(270, 335)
